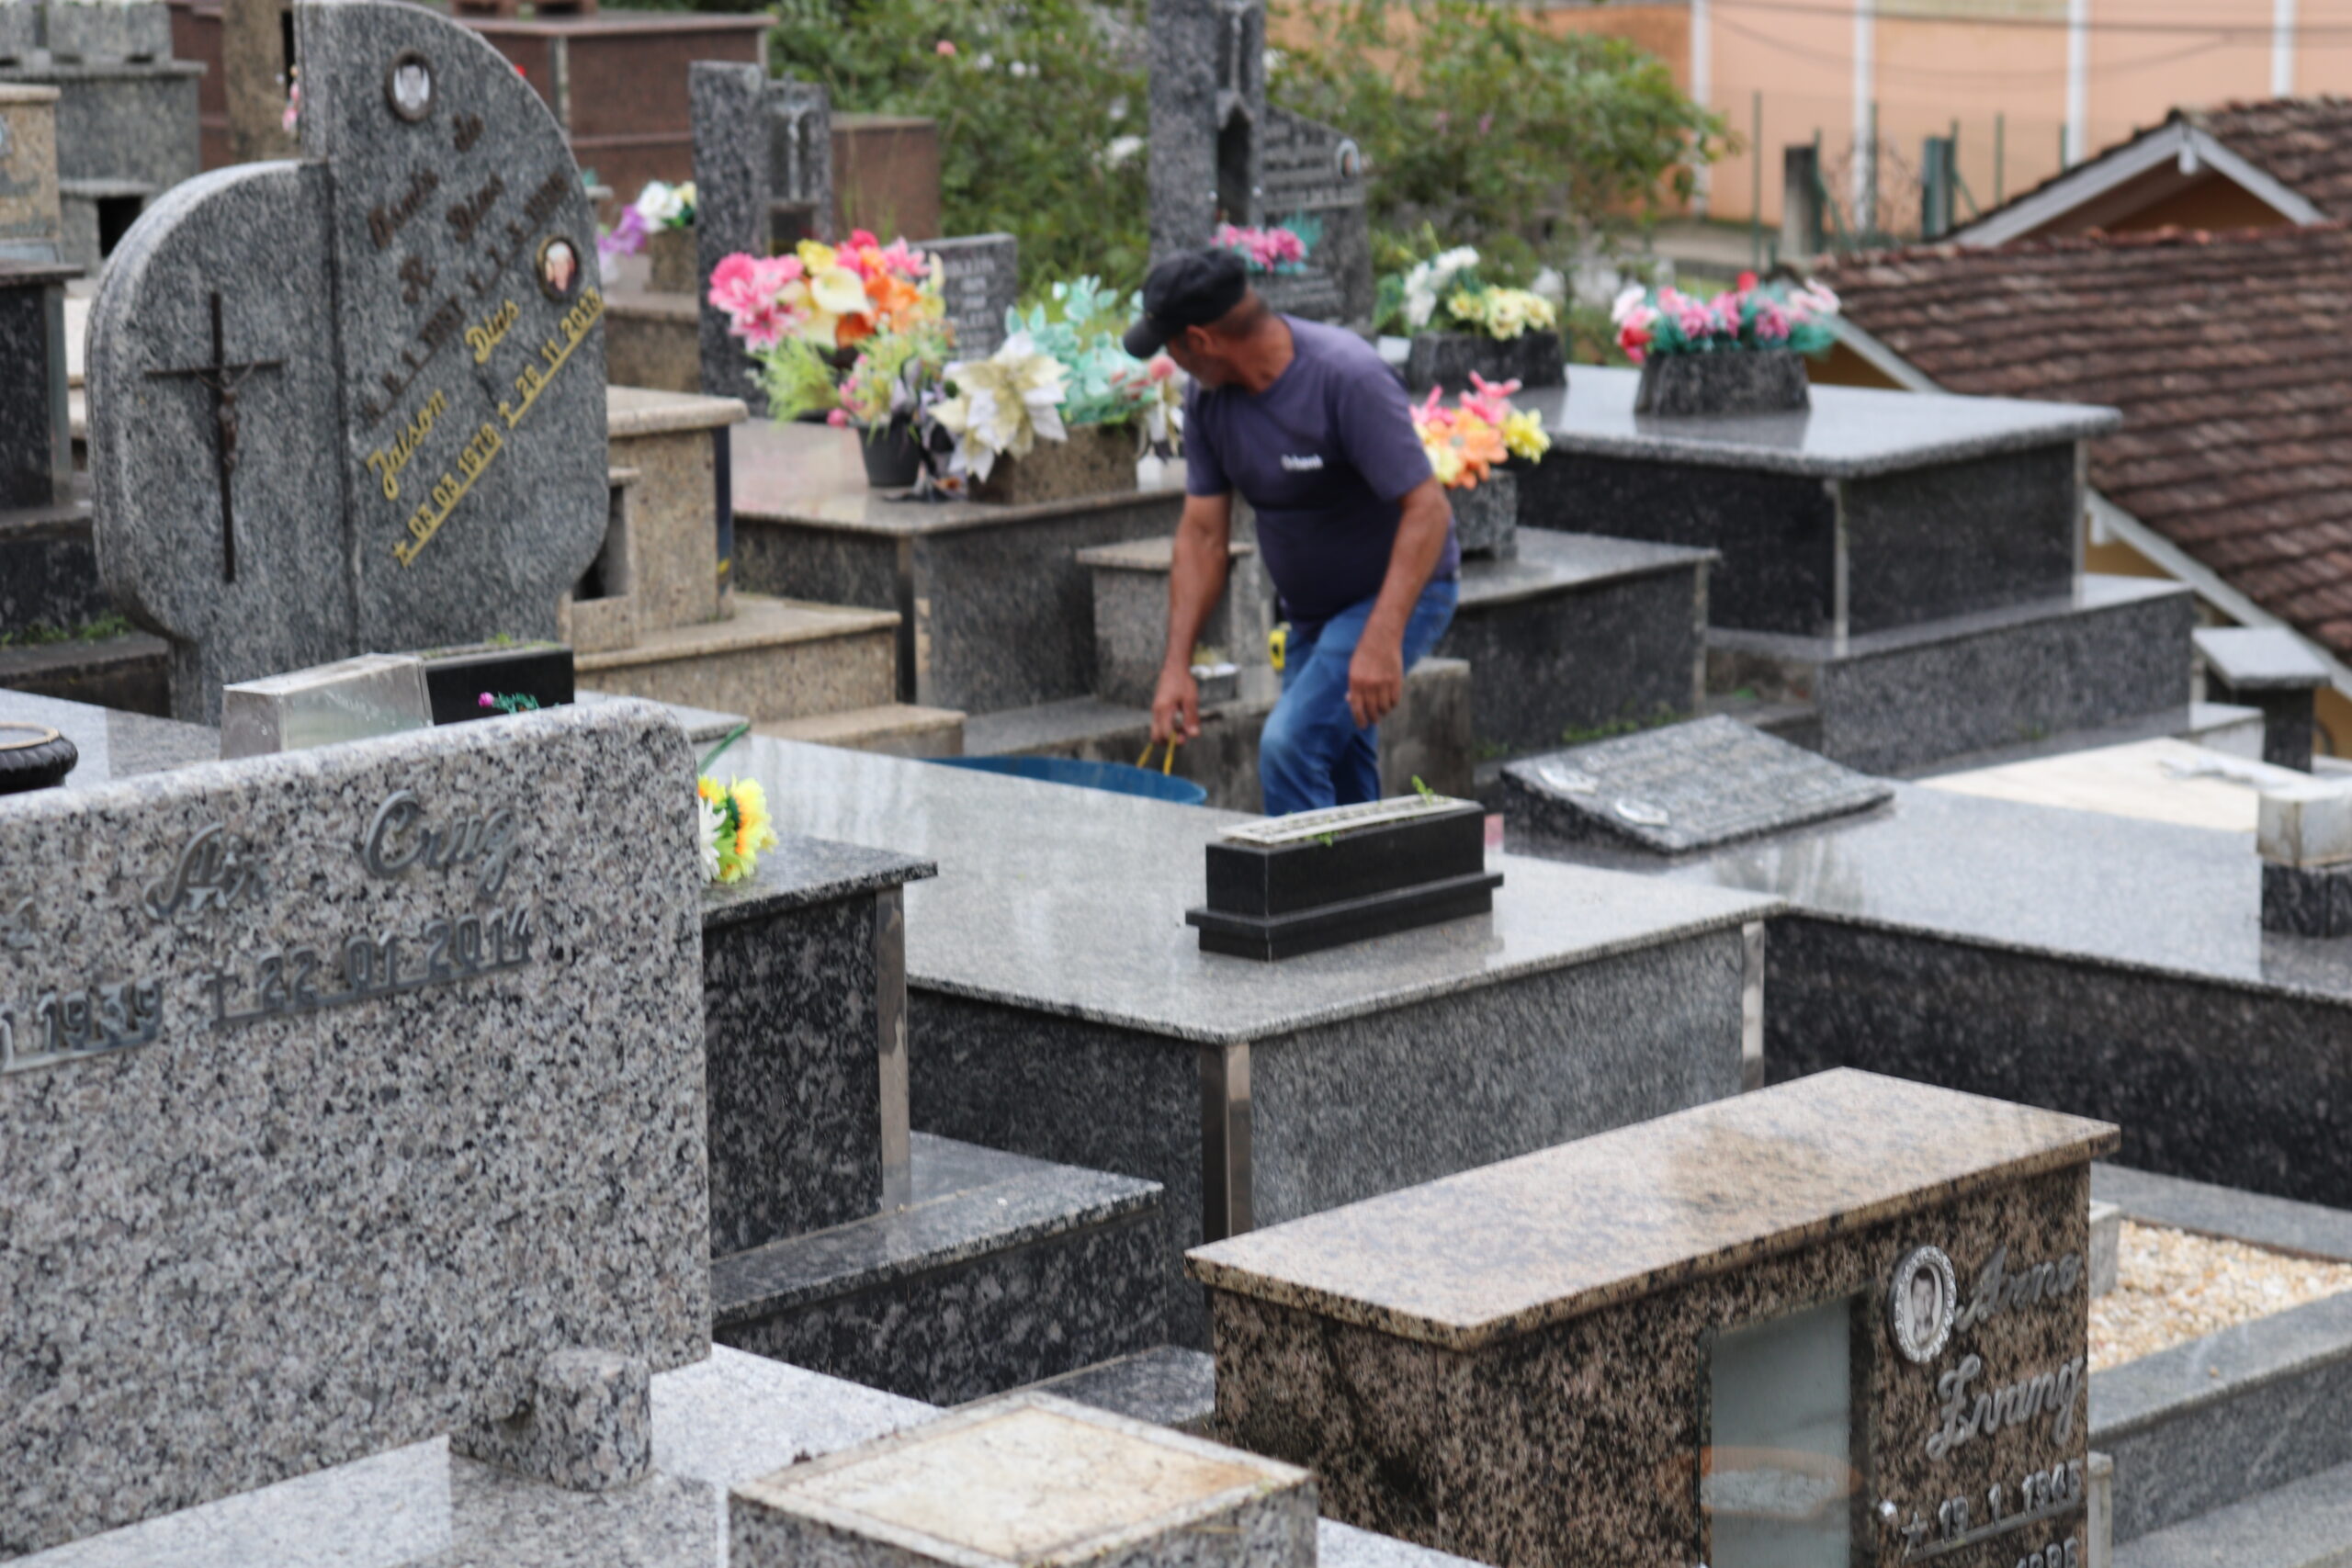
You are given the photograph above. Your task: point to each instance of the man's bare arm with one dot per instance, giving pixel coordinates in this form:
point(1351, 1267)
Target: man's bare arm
point(1377, 672)
point(1194, 585)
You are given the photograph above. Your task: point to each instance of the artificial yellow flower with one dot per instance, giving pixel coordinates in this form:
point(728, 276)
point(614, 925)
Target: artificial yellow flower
point(753, 832)
point(709, 789)
point(1523, 433)
point(839, 290)
point(816, 257)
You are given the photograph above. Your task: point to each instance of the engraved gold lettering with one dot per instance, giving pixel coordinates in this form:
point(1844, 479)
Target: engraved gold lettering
point(491, 332)
point(388, 462)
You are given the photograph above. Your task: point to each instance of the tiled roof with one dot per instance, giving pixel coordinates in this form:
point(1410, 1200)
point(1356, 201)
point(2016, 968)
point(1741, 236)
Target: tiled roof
point(2230, 354)
point(2304, 144)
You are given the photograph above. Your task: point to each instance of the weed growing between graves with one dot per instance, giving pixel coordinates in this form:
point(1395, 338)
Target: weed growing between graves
point(1628, 724)
point(40, 633)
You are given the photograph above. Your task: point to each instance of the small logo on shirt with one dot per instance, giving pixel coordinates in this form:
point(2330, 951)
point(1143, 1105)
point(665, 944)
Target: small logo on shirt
point(1306, 465)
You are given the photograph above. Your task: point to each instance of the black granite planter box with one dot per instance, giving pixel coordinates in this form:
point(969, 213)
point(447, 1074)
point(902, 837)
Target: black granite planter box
point(456, 678)
point(1486, 517)
point(1446, 359)
point(1679, 385)
point(1314, 881)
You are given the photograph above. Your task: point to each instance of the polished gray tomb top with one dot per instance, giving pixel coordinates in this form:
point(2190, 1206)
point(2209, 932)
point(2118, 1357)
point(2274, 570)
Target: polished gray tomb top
point(2254, 659)
point(2041, 879)
point(801, 871)
point(1072, 901)
point(1849, 432)
point(114, 745)
point(1549, 562)
point(716, 1424)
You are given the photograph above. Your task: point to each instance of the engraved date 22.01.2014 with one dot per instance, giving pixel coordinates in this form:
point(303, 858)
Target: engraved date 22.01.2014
point(307, 978)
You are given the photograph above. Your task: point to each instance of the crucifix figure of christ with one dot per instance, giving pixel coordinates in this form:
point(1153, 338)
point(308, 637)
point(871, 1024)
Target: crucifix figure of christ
point(222, 377)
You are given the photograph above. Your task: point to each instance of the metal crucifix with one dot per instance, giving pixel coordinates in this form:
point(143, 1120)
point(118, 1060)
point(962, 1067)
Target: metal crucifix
point(223, 378)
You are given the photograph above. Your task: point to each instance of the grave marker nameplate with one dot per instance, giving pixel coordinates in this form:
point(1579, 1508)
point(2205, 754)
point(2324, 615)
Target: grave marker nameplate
point(1684, 788)
point(341, 1090)
point(355, 401)
point(980, 280)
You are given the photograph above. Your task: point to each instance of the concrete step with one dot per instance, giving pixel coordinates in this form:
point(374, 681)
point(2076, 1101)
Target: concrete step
point(128, 672)
point(1000, 1270)
point(774, 659)
point(898, 729)
point(2304, 1524)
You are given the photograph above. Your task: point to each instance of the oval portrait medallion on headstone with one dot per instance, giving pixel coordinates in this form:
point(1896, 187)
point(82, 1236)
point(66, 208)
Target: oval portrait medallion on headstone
point(408, 85)
point(558, 267)
point(1348, 158)
point(1920, 1303)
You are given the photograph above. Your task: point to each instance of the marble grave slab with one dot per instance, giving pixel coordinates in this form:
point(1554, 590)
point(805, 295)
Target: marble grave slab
point(355, 401)
point(1685, 787)
point(341, 1089)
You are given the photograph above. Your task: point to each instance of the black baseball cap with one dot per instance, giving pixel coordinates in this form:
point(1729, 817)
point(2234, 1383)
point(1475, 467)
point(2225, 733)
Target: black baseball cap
point(1190, 288)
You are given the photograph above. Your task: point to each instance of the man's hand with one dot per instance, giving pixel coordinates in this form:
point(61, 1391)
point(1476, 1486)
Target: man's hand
point(1176, 707)
point(1376, 677)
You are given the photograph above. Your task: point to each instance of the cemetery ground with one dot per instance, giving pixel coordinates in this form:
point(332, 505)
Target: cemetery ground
point(524, 1041)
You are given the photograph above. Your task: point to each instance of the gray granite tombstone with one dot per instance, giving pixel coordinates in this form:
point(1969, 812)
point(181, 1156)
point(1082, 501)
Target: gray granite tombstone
point(1312, 173)
point(981, 280)
point(352, 1097)
point(762, 179)
point(355, 401)
point(1208, 109)
point(1684, 788)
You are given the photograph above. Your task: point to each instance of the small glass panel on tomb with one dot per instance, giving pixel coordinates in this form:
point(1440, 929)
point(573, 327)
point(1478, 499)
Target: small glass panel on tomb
point(1776, 1477)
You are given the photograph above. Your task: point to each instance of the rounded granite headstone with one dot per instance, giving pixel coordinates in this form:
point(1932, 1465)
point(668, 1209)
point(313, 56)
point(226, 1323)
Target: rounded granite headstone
point(355, 401)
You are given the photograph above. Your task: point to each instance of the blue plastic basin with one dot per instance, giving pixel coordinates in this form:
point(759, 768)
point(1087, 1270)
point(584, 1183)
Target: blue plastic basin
point(1117, 778)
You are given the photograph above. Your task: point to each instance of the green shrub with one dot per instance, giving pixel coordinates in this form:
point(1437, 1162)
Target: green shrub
point(1032, 107)
point(1494, 132)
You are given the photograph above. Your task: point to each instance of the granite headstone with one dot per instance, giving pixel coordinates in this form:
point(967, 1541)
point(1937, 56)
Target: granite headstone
point(1684, 788)
point(348, 1095)
point(1208, 112)
point(355, 401)
point(764, 178)
point(981, 280)
point(1314, 174)
point(255, 77)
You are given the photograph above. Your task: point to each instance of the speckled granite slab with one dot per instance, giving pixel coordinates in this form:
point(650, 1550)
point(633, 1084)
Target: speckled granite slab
point(1028, 1479)
point(340, 1086)
point(1850, 431)
point(1510, 1247)
point(1687, 786)
point(1072, 901)
point(720, 1422)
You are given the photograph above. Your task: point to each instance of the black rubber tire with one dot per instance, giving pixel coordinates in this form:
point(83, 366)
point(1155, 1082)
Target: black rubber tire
point(35, 767)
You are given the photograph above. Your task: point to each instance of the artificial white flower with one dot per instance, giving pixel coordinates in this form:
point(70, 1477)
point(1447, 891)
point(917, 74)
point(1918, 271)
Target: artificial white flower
point(709, 822)
point(1004, 404)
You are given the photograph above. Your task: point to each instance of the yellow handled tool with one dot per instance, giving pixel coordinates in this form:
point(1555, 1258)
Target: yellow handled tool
point(1167, 763)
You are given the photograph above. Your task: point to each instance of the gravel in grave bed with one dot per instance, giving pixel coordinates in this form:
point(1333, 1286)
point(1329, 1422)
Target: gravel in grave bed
point(2172, 1286)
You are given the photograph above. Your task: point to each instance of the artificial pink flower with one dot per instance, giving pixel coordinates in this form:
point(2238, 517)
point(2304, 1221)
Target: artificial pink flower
point(1160, 369)
point(946, 49)
point(1771, 324)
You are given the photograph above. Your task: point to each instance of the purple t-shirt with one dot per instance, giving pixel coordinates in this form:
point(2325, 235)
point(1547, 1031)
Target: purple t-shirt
point(1323, 456)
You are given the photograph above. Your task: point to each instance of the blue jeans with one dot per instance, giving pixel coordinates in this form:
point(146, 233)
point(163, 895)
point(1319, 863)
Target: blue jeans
point(1312, 754)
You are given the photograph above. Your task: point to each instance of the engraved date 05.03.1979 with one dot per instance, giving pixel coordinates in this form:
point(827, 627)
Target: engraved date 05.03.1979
point(308, 978)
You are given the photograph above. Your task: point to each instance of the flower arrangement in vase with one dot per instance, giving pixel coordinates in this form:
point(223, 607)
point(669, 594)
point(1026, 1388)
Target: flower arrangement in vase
point(1061, 408)
point(1737, 353)
point(661, 220)
point(1279, 249)
point(1462, 324)
point(1470, 446)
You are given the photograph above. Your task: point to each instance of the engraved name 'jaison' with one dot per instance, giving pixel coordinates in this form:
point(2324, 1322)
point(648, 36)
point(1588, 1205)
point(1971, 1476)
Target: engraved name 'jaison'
point(388, 462)
point(398, 837)
point(384, 223)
